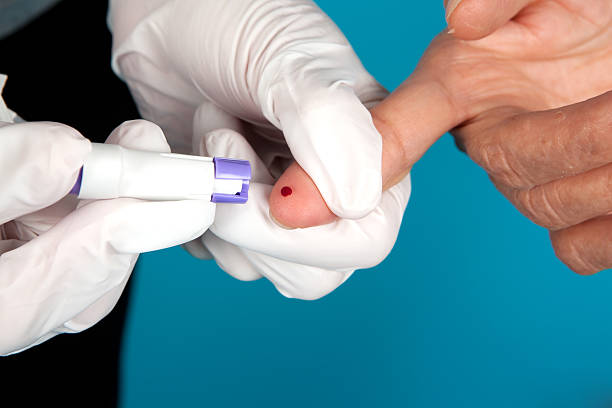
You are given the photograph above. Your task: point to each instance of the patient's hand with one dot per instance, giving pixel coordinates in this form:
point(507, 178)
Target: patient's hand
point(512, 99)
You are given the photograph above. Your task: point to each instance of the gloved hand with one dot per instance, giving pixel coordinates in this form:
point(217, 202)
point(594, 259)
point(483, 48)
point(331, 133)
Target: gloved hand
point(280, 73)
point(64, 264)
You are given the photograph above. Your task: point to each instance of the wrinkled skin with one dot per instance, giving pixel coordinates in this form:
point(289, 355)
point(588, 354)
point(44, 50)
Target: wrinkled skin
point(528, 102)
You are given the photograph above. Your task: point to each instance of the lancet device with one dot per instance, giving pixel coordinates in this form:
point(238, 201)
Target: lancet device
point(112, 171)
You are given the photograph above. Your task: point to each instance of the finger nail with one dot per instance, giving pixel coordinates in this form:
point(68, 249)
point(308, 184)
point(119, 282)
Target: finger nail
point(450, 8)
point(450, 31)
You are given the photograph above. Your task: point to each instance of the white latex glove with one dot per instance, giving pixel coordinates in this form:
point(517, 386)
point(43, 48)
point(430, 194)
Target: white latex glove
point(64, 264)
point(280, 73)
point(302, 263)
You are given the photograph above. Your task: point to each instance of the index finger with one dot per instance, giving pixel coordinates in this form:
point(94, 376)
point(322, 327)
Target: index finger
point(534, 148)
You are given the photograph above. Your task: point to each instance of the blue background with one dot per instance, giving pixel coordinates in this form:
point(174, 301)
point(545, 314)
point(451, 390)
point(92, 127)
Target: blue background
point(471, 308)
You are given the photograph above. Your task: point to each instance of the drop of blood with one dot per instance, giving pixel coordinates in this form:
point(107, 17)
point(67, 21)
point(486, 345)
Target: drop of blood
point(286, 191)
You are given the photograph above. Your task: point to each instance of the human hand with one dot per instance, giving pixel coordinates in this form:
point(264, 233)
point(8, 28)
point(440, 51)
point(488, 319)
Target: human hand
point(64, 263)
point(281, 74)
point(513, 99)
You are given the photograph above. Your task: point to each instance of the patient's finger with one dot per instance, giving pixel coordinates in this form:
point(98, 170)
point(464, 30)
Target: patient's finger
point(530, 149)
point(474, 19)
point(585, 248)
point(567, 201)
point(410, 120)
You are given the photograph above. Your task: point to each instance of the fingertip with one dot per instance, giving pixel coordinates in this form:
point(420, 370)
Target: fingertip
point(295, 201)
point(141, 135)
point(476, 19)
point(465, 20)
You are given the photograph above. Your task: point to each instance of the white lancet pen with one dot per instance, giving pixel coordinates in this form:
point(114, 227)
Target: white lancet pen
point(112, 171)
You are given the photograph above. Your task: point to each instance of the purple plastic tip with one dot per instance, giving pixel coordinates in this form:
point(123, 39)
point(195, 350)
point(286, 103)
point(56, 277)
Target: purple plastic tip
point(76, 189)
point(231, 169)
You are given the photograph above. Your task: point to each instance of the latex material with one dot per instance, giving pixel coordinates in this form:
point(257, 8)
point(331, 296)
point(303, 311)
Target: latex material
point(64, 263)
point(274, 65)
point(301, 263)
point(280, 73)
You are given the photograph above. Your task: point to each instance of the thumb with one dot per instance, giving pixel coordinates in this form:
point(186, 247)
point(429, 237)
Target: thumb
point(474, 19)
point(409, 120)
point(332, 137)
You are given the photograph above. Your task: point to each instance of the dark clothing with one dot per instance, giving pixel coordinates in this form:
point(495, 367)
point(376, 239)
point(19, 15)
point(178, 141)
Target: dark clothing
point(58, 69)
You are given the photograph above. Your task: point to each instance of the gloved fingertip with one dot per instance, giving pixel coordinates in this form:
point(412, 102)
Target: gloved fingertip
point(141, 135)
point(295, 201)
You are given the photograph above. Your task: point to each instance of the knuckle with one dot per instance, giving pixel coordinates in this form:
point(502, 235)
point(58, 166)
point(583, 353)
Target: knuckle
point(499, 164)
point(525, 203)
point(590, 122)
point(60, 131)
point(542, 206)
point(573, 255)
point(590, 145)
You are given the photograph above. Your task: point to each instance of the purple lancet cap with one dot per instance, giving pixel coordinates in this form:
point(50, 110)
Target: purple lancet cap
point(231, 169)
point(76, 189)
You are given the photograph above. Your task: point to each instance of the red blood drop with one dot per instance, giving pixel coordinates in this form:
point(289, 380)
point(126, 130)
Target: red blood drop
point(286, 191)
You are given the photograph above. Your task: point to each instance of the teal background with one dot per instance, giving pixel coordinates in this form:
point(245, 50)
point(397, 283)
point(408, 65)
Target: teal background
point(471, 309)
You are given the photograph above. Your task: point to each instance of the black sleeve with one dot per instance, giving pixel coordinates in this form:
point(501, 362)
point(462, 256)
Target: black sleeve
point(58, 69)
